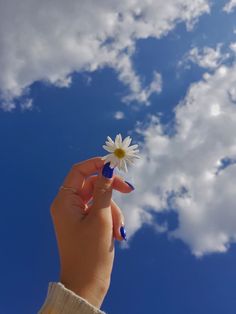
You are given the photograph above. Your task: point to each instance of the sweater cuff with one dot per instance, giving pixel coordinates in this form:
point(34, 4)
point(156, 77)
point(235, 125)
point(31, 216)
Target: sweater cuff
point(61, 300)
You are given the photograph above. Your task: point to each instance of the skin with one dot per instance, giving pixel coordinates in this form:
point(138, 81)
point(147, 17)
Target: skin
point(85, 230)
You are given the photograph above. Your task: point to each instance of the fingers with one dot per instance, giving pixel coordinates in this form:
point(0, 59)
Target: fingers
point(118, 220)
point(97, 188)
point(81, 178)
point(122, 186)
point(68, 205)
point(77, 175)
point(118, 184)
point(102, 193)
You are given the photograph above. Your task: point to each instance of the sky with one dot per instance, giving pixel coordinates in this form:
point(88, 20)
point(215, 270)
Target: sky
point(164, 73)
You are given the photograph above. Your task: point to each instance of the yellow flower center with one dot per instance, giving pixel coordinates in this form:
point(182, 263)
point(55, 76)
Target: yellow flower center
point(120, 153)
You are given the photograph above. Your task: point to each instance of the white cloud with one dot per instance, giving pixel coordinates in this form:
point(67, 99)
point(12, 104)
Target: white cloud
point(49, 41)
point(229, 7)
point(137, 93)
point(27, 104)
point(233, 47)
point(206, 57)
point(7, 106)
point(186, 171)
point(119, 115)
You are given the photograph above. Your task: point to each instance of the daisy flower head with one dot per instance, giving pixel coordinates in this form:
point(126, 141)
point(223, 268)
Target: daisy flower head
point(120, 153)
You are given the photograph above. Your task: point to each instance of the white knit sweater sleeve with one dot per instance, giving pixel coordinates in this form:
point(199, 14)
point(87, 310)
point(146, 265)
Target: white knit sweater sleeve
point(61, 300)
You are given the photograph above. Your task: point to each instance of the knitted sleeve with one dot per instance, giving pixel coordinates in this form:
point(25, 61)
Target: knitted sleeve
point(61, 300)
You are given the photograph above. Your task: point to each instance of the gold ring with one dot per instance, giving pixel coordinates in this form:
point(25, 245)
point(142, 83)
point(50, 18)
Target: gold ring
point(68, 188)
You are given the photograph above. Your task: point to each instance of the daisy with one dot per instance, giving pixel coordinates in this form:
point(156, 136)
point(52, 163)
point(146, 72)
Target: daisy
point(120, 152)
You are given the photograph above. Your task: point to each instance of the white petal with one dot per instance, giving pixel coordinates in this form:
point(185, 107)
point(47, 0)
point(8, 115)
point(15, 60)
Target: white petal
point(119, 166)
point(109, 149)
point(130, 160)
point(113, 163)
point(134, 157)
point(110, 140)
point(126, 142)
point(107, 157)
point(132, 147)
point(130, 163)
point(132, 152)
point(123, 166)
point(110, 144)
point(118, 140)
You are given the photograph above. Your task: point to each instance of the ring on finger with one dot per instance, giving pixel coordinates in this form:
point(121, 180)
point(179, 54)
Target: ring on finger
point(62, 187)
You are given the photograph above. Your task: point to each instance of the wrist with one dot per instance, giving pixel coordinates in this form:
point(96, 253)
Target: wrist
point(94, 292)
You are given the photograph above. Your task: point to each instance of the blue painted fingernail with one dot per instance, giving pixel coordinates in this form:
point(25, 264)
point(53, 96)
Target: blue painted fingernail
point(130, 185)
point(107, 172)
point(123, 233)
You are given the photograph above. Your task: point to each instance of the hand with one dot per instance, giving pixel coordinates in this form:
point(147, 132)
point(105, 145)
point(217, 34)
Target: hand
point(85, 233)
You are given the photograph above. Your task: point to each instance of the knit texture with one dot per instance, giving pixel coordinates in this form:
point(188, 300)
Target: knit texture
point(61, 300)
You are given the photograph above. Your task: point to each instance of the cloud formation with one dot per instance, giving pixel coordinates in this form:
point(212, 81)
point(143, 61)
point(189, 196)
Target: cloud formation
point(233, 47)
point(48, 41)
point(229, 7)
point(206, 57)
point(119, 115)
point(192, 170)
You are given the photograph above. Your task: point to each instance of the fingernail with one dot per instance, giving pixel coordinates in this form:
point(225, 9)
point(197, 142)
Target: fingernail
point(107, 172)
point(123, 233)
point(130, 185)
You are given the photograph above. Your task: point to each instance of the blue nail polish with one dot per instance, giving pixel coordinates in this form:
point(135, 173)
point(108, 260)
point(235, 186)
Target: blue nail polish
point(123, 233)
point(107, 172)
point(129, 184)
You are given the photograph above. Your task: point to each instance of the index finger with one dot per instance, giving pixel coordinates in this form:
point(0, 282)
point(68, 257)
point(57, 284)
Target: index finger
point(80, 171)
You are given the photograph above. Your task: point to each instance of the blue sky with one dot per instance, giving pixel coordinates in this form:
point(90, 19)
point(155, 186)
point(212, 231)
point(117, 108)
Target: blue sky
point(159, 72)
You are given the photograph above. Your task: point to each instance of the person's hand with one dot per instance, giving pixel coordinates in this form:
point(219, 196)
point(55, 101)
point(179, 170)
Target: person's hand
point(85, 230)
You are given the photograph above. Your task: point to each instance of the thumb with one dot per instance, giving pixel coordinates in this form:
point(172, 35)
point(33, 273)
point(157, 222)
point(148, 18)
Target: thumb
point(102, 192)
